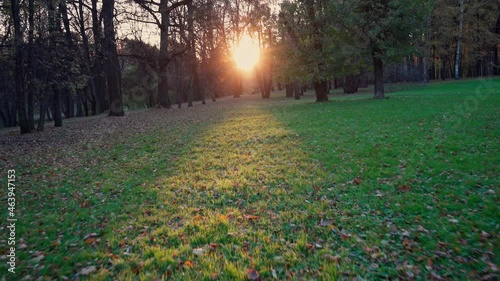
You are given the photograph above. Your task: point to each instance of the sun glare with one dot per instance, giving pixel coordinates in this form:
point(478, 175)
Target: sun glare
point(246, 54)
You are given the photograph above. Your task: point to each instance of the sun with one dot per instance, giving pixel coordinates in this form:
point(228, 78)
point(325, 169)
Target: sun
point(247, 53)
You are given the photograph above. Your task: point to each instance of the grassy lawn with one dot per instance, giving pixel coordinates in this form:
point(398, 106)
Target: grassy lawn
point(405, 188)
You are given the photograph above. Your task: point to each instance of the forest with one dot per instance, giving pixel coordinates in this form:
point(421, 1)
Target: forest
point(65, 59)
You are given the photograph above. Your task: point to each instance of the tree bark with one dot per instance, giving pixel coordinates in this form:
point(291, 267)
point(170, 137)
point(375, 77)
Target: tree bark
point(289, 90)
point(378, 65)
point(98, 67)
point(56, 108)
point(496, 61)
point(321, 89)
point(79, 109)
point(19, 72)
point(459, 41)
point(163, 98)
point(112, 67)
point(351, 84)
point(297, 90)
point(193, 61)
point(43, 110)
point(31, 65)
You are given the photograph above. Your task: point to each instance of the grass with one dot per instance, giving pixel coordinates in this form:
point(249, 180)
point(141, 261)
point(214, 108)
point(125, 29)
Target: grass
point(355, 188)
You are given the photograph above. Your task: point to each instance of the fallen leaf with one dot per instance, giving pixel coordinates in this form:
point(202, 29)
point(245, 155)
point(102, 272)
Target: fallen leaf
point(253, 275)
point(404, 188)
point(90, 235)
point(325, 222)
point(435, 277)
point(273, 271)
point(38, 258)
point(198, 251)
point(251, 217)
point(88, 270)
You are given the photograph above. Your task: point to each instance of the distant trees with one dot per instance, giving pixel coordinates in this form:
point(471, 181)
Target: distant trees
point(305, 41)
point(61, 59)
point(56, 65)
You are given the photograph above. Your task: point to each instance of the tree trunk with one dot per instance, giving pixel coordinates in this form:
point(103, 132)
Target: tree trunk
point(193, 61)
point(98, 67)
point(43, 109)
point(79, 110)
point(13, 113)
point(163, 98)
point(496, 61)
point(19, 73)
point(112, 66)
point(321, 90)
point(31, 65)
point(56, 108)
point(289, 90)
point(459, 41)
point(378, 65)
point(238, 84)
point(296, 89)
point(351, 84)
point(86, 55)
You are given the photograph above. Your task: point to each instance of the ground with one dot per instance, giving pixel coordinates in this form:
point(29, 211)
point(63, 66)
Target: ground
point(356, 188)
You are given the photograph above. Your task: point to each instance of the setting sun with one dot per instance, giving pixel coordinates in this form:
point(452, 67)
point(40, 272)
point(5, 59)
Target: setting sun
point(246, 54)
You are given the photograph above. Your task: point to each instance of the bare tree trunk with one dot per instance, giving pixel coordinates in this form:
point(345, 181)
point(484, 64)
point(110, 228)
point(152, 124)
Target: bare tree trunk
point(351, 84)
point(98, 67)
point(112, 66)
point(427, 52)
point(378, 78)
point(56, 108)
point(496, 62)
point(321, 89)
point(459, 41)
point(192, 56)
point(289, 90)
point(79, 98)
point(31, 88)
point(19, 73)
point(297, 90)
point(53, 30)
point(43, 110)
point(163, 98)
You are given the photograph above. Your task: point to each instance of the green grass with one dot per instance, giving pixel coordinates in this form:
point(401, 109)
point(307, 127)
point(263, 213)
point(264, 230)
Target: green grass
point(401, 188)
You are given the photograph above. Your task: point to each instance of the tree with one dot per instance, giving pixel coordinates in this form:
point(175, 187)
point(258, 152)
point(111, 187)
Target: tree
point(19, 72)
point(388, 29)
point(112, 68)
point(305, 44)
point(163, 23)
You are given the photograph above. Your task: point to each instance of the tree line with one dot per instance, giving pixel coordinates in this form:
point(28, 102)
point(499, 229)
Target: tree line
point(72, 58)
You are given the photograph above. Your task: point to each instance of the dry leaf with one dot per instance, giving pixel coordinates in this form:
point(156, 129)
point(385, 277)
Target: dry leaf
point(88, 270)
point(198, 251)
point(251, 217)
point(253, 275)
point(404, 188)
